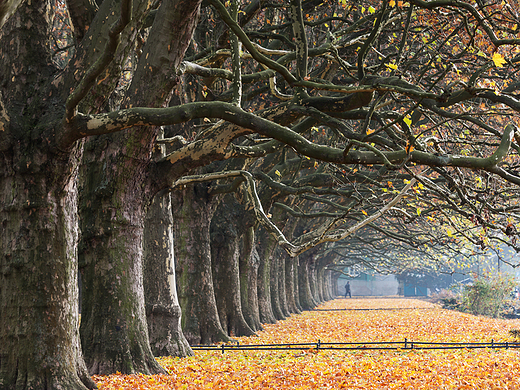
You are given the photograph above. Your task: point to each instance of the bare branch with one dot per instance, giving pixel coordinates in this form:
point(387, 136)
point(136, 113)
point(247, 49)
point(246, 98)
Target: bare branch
point(292, 249)
point(342, 234)
point(482, 21)
point(87, 125)
point(236, 48)
point(192, 68)
point(249, 46)
point(101, 64)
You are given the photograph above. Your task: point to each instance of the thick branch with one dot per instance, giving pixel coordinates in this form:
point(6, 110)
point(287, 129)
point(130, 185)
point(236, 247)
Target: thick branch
point(300, 38)
point(236, 62)
point(86, 125)
point(192, 68)
point(101, 64)
point(249, 46)
point(81, 14)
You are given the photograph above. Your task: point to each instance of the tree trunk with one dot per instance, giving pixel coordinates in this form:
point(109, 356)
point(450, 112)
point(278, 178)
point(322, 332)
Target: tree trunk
point(290, 270)
point(296, 283)
point(265, 247)
point(163, 312)
point(192, 212)
point(306, 298)
point(118, 188)
point(330, 288)
point(248, 263)
point(39, 339)
point(311, 266)
point(275, 285)
point(113, 327)
point(334, 284)
point(327, 286)
point(282, 279)
point(225, 254)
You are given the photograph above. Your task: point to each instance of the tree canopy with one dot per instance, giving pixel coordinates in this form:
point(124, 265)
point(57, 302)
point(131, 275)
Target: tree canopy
point(380, 133)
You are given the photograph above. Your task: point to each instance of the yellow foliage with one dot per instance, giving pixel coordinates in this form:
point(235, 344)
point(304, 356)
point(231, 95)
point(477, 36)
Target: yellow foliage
point(401, 369)
point(498, 59)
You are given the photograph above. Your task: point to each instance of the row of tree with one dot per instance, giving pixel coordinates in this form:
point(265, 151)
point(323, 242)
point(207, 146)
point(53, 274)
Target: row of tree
point(254, 141)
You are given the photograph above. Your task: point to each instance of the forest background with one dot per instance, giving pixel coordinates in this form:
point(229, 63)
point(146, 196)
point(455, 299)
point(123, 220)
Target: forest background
point(268, 145)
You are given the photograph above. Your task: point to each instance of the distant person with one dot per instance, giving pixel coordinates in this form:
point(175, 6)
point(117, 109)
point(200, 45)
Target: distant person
point(347, 290)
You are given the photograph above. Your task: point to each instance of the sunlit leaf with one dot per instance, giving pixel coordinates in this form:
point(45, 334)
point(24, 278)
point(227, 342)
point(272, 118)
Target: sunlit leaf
point(498, 59)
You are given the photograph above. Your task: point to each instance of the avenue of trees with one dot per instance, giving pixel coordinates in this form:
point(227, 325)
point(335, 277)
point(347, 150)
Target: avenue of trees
point(203, 168)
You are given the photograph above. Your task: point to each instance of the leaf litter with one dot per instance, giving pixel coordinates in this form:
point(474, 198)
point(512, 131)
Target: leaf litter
point(415, 320)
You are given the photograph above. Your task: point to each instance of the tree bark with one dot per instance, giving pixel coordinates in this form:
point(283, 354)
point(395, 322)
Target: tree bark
point(163, 312)
point(225, 252)
point(192, 217)
point(39, 339)
point(265, 247)
point(328, 285)
point(275, 285)
point(113, 328)
point(248, 263)
point(290, 270)
point(296, 283)
point(313, 279)
point(118, 188)
point(307, 300)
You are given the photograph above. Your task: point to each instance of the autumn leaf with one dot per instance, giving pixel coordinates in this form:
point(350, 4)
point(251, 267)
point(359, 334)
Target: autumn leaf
point(409, 147)
point(498, 59)
point(415, 320)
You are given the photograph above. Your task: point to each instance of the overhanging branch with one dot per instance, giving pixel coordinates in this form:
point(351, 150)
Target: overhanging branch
point(87, 125)
point(292, 249)
point(88, 81)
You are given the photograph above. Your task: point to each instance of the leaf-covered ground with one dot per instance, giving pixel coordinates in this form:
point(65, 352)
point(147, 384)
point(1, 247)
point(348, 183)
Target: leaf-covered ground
point(415, 320)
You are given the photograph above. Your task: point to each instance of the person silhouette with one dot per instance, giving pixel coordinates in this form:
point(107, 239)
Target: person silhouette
point(347, 290)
